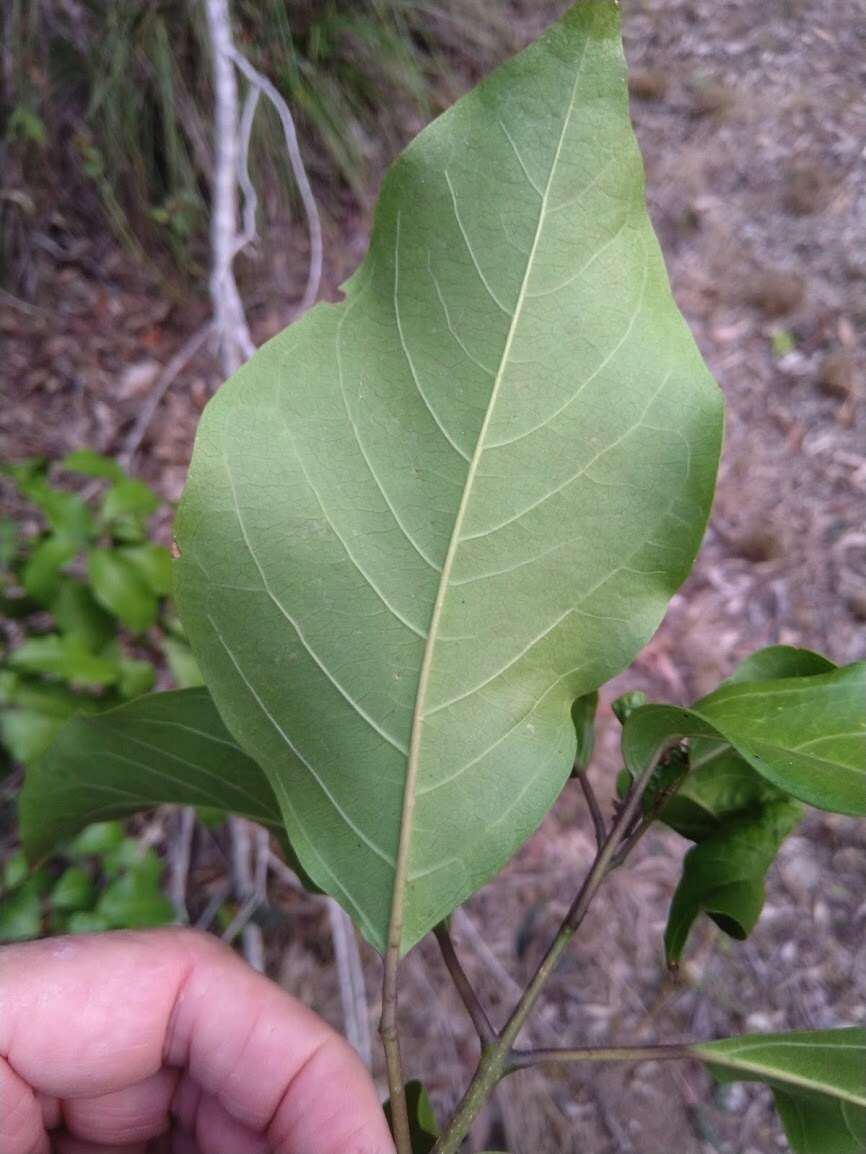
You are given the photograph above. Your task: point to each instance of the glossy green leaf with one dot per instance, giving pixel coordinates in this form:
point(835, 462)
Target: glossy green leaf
point(420, 523)
point(583, 718)
point(119, 587)
point(153, 563)
point(41, 575)
point(8, 542)
point(181, 663)
point(423, 1127)
point(77, 613)
point(92, 464)
point(87, 922)
point(65, 657)
point(135, 900)
point(136, 677)
point(780, 661)
point(96, 839)
point(32, 712)
point(723, 875)
point(66, 513)
point(129, 497)
point(817, 1079)
point(161, 748)
point(719, 785)
point(74, 890)
point(805, 735)
point(21, 912)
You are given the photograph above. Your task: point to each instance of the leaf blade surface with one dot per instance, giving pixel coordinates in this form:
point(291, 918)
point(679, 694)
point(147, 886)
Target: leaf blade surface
point(420, 523)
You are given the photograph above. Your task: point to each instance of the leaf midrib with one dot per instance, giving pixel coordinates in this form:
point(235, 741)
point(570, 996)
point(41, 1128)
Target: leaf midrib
point(395, 925)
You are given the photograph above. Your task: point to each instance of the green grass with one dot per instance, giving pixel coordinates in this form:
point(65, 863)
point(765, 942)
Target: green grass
point(112, 106)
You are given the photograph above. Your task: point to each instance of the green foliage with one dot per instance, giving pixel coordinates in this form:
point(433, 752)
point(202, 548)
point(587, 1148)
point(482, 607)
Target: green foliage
point(429, 608)
point(735, 800)
point(77, 590)
point(817, 1081)
point(100, 881)
point(803, 734)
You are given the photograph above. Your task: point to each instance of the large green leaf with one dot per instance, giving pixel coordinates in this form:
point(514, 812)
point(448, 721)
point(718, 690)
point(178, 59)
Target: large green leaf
point(420, 523)
point(803, 734)
point(817, 1078)
point(162, 748)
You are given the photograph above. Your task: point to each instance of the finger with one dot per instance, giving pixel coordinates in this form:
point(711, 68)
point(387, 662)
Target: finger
point(83, 1017)
point(134, 1114)
point(216, 1131)
point(21, 1128)
point(273, 1064)
point(67, 1144)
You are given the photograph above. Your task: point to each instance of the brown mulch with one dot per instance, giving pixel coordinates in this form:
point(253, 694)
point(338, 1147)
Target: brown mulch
point(753, 128)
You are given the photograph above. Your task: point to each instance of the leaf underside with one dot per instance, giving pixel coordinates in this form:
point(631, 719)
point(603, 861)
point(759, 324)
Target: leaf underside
point(817, 1078)
point(421, 522)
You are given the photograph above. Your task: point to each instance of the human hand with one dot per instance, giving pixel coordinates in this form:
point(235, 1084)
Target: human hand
point(165, 1041)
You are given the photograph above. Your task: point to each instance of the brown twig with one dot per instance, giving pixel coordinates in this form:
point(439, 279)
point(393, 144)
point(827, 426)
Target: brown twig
point(464, 987)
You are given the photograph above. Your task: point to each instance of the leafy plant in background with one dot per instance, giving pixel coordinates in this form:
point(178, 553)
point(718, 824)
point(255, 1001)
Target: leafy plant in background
point(101, 880)
point(424, 526)
point(85, 601)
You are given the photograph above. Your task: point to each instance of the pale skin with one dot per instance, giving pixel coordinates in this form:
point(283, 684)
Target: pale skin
point(166, 1042)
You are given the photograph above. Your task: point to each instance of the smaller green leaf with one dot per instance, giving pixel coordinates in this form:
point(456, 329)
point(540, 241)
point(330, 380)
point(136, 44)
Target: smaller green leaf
point(129, 497)
point(41, 576)
point(136, 677)
point(423, 1127)
point(87, 922)
point(66, 513)
point(120, 588)
point(776, 661)
point(8, 542)
point(153, 563)
point(26, 733)
point(817, 1081)
point(805, 735)
point(134, 900)
point(64, 657)
point(74, 890)
point(96, 839)
point(723, 876)
point(14, 871)
point(78, 614)
point(583, 716)
point(92, 464)
point(183, 666)
point(121, 857)
point(21, 912)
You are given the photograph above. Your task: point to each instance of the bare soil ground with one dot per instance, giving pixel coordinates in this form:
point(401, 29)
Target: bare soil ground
point(753, 123)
